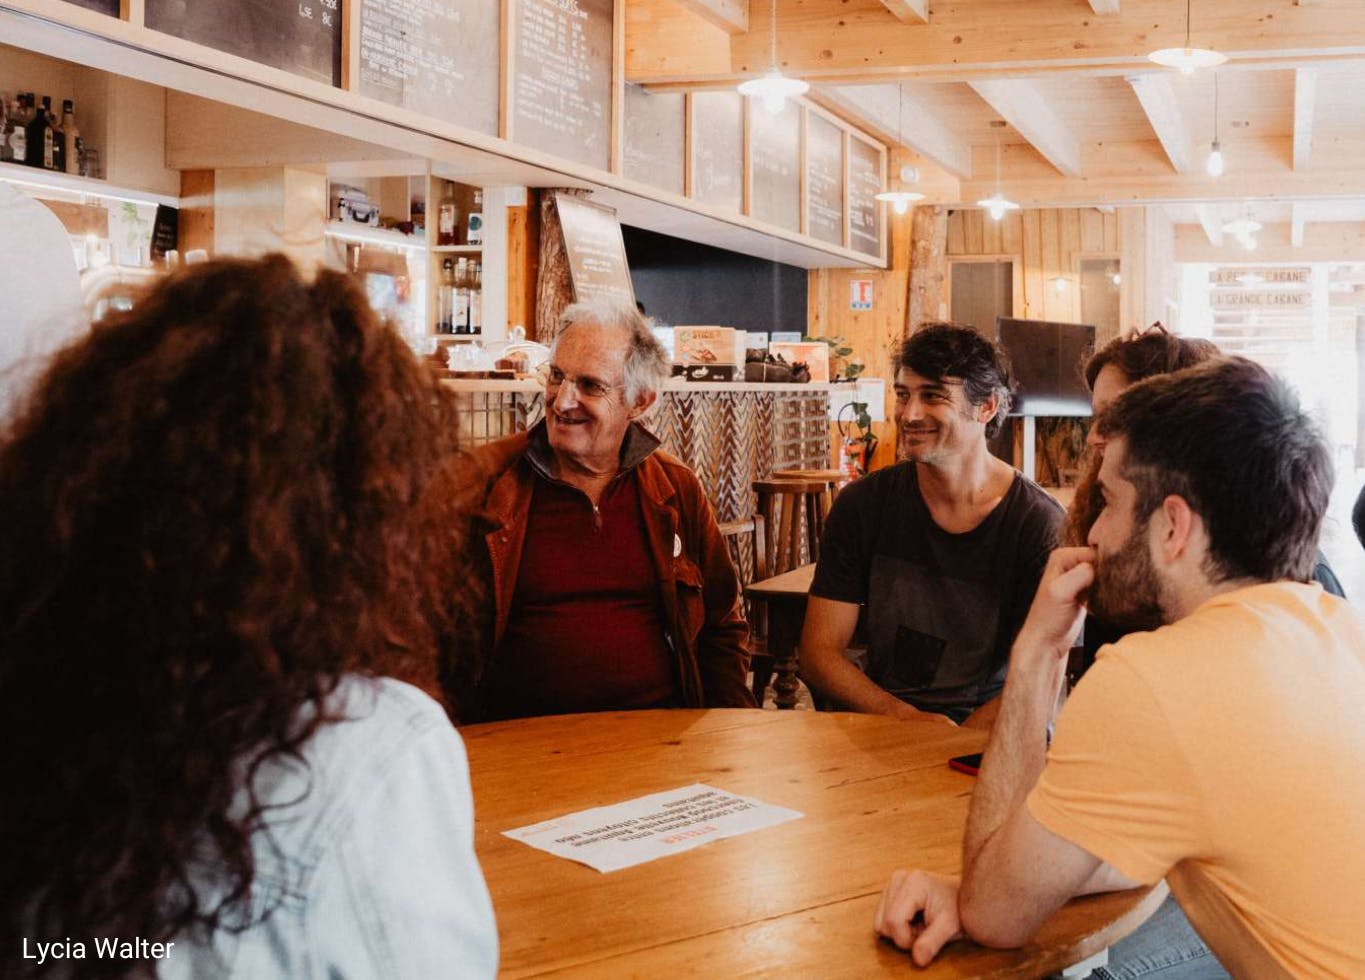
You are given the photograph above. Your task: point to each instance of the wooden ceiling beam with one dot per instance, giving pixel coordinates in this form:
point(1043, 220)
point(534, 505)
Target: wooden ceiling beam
point(1211, 223)
point(1305, 95)
point(731, 16)
point(1158, 101)
point(1025, 108)
point(849, 39)
point(908, 11)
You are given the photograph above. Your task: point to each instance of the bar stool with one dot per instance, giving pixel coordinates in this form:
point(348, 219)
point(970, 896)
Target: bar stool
point(751, 565)
point(794, 511)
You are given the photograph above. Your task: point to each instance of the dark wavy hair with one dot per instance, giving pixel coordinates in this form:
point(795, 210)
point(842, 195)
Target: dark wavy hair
point(214, 507)
point(1231, 439)
point(940, 349)
point(1137, 357)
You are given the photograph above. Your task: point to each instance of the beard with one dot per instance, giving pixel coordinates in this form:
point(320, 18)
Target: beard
point(1126, 592)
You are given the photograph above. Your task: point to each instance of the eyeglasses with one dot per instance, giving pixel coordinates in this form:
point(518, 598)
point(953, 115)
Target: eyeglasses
point(589, 389)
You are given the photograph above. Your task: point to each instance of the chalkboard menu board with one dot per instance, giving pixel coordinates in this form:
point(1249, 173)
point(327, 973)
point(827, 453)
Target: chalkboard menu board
point(654, 126)
point(775, 165)
point(864, 183)
point(597, 255)
point(110, 7)
point(718, 149)
point(433, 57)
point(824, 179)
point(300, 36)
point(561, 78)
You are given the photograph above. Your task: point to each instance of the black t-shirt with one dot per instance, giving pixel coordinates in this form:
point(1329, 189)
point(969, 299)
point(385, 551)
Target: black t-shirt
point(942, 609)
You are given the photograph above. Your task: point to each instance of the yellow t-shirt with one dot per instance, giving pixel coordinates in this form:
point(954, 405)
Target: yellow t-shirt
point(1226, 753)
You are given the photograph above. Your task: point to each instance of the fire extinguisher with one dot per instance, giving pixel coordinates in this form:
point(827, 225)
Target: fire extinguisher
point(855, 454)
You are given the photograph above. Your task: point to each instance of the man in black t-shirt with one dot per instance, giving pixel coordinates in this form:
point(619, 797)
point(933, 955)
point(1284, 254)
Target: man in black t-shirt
point(944, 550)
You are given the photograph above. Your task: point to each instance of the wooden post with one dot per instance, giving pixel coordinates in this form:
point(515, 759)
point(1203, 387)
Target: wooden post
point(928, 267)
point(554, 286)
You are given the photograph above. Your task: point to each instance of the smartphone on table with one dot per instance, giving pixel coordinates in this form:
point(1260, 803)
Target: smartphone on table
point(970, 764)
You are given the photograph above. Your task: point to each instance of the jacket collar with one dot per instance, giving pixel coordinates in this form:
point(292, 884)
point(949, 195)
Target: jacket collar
point(637, 446)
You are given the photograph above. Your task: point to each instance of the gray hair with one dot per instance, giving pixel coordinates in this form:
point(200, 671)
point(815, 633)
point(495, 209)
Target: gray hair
point(647, 364)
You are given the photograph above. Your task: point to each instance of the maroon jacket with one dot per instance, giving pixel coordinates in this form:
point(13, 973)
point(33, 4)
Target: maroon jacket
point(698, 591)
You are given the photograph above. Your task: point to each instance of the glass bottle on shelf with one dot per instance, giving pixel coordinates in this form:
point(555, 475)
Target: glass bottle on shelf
point(38, 138)
point(475, 236)
point(6, 127)
point(17, 136)
point(461, 316)
point(73, 147)
point(476, 298)
point(58, 142)
point(445, 298)
point(448, 218)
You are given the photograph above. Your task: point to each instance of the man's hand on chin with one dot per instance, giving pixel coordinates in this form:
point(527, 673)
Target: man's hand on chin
point(918, 912)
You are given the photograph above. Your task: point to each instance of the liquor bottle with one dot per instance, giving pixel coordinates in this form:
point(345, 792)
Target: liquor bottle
point(445, 298)
point(58, 141)
point(38, 137)
point(461, 315)
point(15, 134)
point(73, 147)
point(448, 218)
point(476, 298)
point(6, 127)
point(475, 236)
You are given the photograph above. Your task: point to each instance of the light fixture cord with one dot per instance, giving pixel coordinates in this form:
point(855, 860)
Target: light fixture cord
point(1187, 22)
point(1215, 107)
point(772, 34)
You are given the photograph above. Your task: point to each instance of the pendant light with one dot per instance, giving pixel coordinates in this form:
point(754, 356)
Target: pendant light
point(1214, 165)
point(900, 200)
point(1187, 59)
point(997, 204)
point(1244, 229)
point(773, 88)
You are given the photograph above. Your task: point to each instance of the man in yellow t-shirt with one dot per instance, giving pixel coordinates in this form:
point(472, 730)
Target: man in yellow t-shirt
point(1225, 751)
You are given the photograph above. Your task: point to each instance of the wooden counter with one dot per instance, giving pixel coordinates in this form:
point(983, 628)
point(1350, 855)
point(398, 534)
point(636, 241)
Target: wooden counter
point(730, 434)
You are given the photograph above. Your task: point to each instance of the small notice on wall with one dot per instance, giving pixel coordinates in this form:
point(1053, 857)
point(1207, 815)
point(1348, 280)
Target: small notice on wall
point(860, 294)
point(610, 838)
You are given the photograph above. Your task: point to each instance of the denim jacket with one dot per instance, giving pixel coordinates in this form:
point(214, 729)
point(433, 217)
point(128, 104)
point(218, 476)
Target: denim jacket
point(698, 590)
point(373, 870)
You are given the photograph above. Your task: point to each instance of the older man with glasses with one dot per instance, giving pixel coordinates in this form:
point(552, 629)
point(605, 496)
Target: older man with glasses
point(610, 583)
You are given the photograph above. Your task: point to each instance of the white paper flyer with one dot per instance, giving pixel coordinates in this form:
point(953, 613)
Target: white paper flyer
point(609, 838)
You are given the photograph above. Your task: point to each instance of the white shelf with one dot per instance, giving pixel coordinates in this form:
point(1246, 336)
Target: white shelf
point(55, 182)
point(457, 249)
point(352, 231)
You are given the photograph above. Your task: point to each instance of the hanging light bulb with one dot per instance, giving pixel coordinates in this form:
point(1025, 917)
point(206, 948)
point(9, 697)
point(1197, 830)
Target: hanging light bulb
point(773, 87)
point(997, 204)
point(1213, 166)
point(1188, 59)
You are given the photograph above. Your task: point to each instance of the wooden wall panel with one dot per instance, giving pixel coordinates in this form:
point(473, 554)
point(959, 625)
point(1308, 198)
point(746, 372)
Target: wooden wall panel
point(1044, 244)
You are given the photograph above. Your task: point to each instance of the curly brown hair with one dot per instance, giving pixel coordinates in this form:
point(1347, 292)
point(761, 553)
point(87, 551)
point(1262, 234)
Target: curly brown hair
point(1137, 357)
point(215, 506)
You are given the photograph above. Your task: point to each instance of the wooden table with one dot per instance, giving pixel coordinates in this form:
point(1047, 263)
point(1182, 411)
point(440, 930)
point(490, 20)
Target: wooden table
point(785, 598)
point(795, 899)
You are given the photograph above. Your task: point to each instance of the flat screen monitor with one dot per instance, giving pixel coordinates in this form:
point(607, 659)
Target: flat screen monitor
point(1046, 359)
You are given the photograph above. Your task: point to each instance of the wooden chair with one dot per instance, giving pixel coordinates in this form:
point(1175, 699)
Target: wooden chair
point(815, 509)
point(751, 565)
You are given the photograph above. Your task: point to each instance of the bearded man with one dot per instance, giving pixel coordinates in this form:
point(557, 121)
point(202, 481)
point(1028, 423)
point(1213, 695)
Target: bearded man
point(1221, 751)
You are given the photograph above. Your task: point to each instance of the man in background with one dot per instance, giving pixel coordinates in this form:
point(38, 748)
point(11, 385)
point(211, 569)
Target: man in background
point(944, 550)
point(611, 585)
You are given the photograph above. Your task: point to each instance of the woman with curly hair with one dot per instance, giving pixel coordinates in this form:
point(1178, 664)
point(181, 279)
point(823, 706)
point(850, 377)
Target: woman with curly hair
point(228, 532)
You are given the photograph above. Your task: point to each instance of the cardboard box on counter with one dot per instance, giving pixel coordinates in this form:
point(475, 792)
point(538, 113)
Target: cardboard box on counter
point(705, 345)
